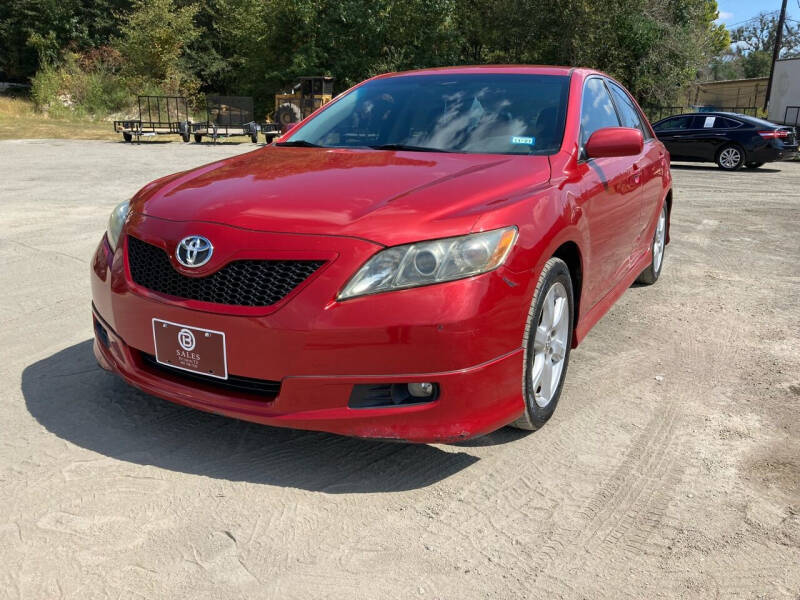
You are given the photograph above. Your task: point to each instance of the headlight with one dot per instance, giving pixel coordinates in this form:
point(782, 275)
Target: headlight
point(436, 261)
point(115, 223)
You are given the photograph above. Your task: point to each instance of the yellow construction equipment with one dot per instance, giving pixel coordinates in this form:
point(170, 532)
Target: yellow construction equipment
point(306, 96)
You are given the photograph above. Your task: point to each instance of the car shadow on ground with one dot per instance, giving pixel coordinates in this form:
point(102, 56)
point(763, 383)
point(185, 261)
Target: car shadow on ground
point(76, 400)
point(713, 167)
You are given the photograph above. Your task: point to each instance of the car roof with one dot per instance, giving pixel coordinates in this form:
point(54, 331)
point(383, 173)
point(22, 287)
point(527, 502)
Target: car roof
point(739, 116)
point(493, 69)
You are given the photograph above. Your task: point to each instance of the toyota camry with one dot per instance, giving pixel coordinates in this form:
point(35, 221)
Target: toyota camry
point(414, 261)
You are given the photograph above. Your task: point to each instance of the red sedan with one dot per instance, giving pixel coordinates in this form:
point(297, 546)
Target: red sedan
point(414, 261)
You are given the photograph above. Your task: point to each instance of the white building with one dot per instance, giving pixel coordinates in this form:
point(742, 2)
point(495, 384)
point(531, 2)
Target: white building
point(784, 99)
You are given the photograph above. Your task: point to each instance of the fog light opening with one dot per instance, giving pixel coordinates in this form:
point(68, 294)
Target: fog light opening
point(421, 390)
point(101, 334)
point(377, 395)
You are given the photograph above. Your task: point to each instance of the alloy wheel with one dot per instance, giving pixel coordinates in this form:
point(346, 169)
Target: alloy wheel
point(550, 345)
point(730, 158)
point(659, 239)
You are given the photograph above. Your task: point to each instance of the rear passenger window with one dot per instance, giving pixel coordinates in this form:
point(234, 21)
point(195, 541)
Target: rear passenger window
point(597, 110)
point(627, 111)
point(724, 123)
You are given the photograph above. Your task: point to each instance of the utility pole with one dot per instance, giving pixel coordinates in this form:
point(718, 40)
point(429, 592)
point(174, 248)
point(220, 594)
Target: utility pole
point(775, 52)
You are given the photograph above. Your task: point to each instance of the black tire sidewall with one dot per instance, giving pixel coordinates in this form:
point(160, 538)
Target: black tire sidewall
point(556, 271)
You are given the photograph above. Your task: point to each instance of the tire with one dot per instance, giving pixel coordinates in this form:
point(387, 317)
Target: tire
point(545, 339)
point(730, 158)
point(658, 246)
point(127, 137)
point(198, 138)
point(754, 165)
point(254, 137)
point(287, 113)
point(185, 137)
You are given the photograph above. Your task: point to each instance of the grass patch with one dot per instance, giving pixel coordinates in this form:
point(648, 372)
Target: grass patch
point(19, 120)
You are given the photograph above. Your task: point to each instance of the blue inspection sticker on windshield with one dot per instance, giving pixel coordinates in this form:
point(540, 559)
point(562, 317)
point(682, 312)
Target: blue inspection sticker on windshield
point(528, 141)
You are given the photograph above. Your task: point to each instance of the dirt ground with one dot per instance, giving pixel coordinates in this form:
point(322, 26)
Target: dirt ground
point(671, 468)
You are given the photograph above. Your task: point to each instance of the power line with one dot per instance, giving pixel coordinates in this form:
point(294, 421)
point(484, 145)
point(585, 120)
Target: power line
point(756, 18)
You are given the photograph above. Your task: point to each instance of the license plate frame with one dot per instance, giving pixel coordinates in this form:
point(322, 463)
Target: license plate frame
point(201, 351)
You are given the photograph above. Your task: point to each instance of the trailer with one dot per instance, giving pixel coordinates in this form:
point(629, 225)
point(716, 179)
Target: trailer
point(158, 115)
point(227, 116)
point(271, 131)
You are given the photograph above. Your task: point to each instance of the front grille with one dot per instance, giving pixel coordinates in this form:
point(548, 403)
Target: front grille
point(234, 383)
point(239, 283)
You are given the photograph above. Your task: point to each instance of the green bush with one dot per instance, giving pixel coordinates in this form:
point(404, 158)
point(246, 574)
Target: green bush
point(83, 86)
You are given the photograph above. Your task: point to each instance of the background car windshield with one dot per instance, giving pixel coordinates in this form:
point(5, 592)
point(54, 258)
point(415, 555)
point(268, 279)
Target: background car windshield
point(494, 114)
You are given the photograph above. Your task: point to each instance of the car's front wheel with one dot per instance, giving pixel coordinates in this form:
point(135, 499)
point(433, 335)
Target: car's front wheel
point(730, 158)
point(547, 342)
point(651, 274)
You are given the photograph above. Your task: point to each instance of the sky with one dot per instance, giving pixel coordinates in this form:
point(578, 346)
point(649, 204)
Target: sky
point(733, 12)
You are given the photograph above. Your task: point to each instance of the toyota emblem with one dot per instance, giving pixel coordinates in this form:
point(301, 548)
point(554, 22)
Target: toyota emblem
point(194, 251)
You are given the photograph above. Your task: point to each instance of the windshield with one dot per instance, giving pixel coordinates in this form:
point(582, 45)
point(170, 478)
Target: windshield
point(492, 114)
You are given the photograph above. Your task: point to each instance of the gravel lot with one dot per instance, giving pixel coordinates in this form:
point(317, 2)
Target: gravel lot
point(671, 468)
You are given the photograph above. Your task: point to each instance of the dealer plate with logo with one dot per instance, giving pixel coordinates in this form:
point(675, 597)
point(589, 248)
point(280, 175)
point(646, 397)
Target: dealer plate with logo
point(191, 349)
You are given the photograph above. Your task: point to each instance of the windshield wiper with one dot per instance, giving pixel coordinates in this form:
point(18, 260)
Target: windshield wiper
point(299, 144)
point(408, 147)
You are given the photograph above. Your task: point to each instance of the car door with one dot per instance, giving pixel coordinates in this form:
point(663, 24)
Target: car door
point(673, 134)
point(723, 132)
point(650, 164)
point(609, 198)
point(707, 135)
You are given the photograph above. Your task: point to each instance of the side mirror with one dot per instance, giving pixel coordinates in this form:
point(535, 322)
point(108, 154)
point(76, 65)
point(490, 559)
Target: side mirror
point(614, 141)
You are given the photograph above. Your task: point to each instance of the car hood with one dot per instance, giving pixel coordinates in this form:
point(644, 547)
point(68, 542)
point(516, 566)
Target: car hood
point(389, 197)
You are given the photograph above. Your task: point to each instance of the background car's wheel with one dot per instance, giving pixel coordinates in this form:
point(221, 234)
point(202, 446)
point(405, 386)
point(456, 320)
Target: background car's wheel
point(754, 165)
point(185, 137)
point(730, 158)
point(547, 342)
point(127, 137)
point(198, 138)
point(650, 275)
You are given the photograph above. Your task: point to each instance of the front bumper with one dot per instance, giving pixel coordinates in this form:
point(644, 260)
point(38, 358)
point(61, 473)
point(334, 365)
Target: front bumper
point(465, 336)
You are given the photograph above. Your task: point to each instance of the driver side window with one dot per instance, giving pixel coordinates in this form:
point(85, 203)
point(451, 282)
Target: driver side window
point(597, 110)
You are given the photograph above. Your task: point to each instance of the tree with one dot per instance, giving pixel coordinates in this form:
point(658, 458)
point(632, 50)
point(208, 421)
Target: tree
point(758, 35)
point(654, 47)
point(154, 35)
point(750, 54)
point(258, 47)
point(34, 29)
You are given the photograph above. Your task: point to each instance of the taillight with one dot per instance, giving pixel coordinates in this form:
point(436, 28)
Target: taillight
point(774, 134)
